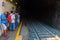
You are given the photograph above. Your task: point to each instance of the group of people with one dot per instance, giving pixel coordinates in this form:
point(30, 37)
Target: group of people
point(9, 21)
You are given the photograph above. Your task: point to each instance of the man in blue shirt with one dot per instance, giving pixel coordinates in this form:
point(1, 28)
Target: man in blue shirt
point(5, 22)
point(4, 19)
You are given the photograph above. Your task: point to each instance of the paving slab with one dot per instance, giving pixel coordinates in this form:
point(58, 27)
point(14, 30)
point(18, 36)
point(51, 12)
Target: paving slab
point(11, 34)
point(24, 32)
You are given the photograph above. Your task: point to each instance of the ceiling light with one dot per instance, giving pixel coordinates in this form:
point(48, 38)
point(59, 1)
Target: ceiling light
point(16, 3)
point(11, 0)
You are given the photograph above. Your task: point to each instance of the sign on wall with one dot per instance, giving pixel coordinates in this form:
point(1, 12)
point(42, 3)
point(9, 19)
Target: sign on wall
point(3, 4)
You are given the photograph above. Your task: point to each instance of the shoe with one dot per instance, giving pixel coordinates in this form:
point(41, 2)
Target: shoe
point(6, 36)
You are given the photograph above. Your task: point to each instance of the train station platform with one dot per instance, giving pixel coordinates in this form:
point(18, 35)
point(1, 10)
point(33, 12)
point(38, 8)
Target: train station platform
point(33, 30)
point(13, 35)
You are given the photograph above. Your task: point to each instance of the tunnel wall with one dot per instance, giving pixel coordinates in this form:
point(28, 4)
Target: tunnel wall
point(56, 17)
point(47, 11)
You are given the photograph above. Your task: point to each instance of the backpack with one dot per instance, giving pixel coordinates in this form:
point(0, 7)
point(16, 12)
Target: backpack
point(9, 18)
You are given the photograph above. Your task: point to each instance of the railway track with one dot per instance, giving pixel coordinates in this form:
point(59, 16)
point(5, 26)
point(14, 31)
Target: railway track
point(39, 31)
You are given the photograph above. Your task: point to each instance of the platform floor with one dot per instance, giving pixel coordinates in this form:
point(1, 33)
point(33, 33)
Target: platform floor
point(33, 31)
point(11, 34)
point(25, 32)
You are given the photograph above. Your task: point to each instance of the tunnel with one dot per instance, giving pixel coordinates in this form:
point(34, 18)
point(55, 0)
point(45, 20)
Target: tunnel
point(38, 9)
point(46, 11)
point(30, 20)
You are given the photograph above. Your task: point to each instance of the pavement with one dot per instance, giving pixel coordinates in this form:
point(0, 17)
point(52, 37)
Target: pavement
point(25, 32)
point(11, 34)
point(41, 30)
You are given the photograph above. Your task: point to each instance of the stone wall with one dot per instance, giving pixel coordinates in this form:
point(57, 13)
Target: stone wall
point(56, 18)
point(7, 6)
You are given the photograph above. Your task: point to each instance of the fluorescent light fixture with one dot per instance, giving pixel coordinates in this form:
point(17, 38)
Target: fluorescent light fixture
point(11, 0)
point(16, 3)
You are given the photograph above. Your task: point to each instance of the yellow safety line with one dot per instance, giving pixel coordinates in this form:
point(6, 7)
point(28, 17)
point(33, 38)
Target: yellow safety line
point(18, 32)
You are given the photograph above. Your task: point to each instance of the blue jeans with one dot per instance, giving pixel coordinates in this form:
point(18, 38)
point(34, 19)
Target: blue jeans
point(16, 24)
point(12, 26)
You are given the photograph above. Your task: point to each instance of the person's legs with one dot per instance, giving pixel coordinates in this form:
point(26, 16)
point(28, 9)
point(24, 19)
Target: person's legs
point(4, 29)
point(5, 33)
point(16, 24)
point(8, 26)
point(11, 26)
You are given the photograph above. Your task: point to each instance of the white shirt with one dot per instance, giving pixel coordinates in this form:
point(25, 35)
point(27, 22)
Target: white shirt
point(12, 18)
point(18, 17)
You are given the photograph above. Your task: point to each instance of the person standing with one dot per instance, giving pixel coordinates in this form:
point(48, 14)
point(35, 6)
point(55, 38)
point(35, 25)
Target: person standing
point(9, 19)
point(4, 22)
point(17, 19)
point(12, 25)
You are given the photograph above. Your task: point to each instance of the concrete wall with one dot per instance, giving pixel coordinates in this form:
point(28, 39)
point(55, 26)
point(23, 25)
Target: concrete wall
point(7, 6)
point(1, 8)
point(56, 19)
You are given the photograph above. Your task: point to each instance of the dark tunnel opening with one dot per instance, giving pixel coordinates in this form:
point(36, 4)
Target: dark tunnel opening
point(39, 9)
point(46, 11)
